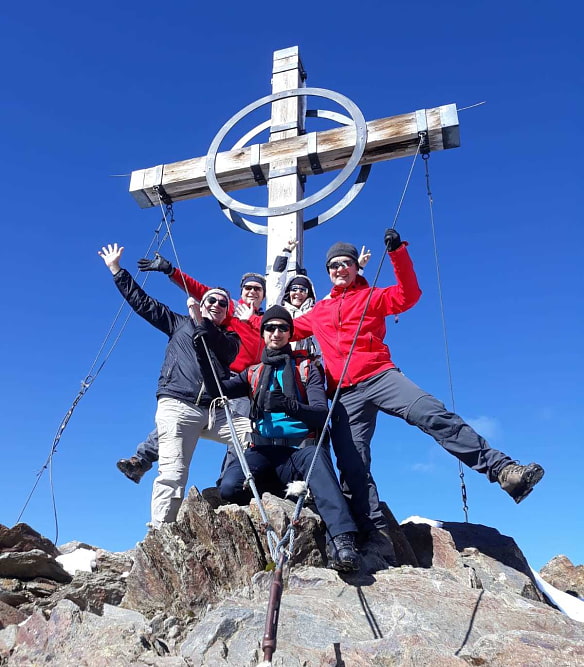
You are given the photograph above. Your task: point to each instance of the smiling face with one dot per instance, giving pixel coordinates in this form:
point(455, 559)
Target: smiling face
point(298, 295)
point(252, 293)
point(276, 334)
point(342, 271)
point(214, 308)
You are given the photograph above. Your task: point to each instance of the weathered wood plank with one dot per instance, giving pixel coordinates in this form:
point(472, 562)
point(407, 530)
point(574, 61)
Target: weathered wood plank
point(287, 74)
point(388, 138)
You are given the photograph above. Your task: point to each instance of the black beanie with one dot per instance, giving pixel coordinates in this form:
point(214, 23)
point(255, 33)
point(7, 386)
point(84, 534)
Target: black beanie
point(304, 282)
point(341, 249)
point(277, 313)
point(300, 280)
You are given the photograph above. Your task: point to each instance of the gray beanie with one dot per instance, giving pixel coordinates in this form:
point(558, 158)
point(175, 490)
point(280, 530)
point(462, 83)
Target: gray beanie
point(341, 249)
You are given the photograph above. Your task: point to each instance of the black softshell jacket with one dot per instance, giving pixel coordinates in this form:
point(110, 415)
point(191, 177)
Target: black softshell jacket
point(180, 376)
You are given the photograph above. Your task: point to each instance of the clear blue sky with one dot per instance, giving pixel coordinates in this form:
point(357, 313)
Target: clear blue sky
point(94, 90)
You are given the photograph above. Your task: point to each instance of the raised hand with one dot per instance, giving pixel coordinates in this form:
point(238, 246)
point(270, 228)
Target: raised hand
point(159, 263)
point(243, 311)
point(194, 309)
point(364, 257)
point(111, 255)
point(391, 239)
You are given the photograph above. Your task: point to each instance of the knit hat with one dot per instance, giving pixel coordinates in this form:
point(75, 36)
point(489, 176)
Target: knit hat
point(277, 313)
point(300, 280)
point(217, 292)
point(341, 249)
point(304, 282)
point(253, 278)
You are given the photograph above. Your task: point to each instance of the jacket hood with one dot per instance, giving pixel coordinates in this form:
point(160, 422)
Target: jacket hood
point(307, 305)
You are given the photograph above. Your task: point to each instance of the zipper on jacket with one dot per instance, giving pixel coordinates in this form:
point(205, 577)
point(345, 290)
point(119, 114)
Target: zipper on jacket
point(347, 378)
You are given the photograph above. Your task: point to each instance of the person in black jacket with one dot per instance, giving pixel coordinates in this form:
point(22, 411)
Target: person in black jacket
point(288, 411)
point(185, 411)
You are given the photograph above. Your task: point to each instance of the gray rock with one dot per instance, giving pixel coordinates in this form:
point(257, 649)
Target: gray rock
point(184, 566)
point(9, 615)
point(476, 554)
point(89, 591)
point(72, 638)
point(31, 564)
point(73, 545)
point(7, 641)
point(406, 616)
point(564, 575)
point(22, 537)
point(203, 583)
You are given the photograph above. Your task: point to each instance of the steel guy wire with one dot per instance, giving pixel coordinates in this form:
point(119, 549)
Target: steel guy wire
point(425, 157)
point(272, 541)
point(85, 384)
point(346, 365)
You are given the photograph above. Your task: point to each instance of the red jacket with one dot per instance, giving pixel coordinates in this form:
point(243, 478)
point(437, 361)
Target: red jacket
point(335, 319)
point(250, 351)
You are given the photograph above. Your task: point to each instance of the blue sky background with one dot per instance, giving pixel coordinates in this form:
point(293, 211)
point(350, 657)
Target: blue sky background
point(94, 90)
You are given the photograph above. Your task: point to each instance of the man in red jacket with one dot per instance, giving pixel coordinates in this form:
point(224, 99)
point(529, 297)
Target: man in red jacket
point(243, 318)
point(372, 382)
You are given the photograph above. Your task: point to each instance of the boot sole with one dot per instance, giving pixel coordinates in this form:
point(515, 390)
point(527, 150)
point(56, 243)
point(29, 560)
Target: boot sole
point(128, 475)
point(533, 478)
point(344, 567)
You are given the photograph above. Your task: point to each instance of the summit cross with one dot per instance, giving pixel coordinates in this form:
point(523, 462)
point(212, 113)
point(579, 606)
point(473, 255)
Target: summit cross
point(291, 155)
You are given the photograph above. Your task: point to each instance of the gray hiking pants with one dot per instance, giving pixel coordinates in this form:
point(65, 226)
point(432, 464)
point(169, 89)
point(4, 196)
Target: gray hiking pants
point(353, 423)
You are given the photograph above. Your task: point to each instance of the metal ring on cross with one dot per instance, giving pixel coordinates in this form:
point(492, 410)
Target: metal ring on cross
point(232, 208)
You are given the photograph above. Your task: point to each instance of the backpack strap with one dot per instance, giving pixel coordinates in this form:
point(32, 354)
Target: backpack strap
point(254, 373)
point(303, 361)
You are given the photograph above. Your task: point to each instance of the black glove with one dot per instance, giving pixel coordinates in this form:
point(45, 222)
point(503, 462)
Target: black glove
point(392, 240)
point(276, 401)
point(200, 331)
point(205, 329)
point(159, 263)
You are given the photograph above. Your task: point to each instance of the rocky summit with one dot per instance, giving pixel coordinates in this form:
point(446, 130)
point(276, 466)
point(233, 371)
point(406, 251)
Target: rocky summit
point(194, 593)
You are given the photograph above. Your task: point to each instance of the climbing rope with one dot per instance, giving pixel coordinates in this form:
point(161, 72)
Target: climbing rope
point(289, 535)
point(269, 642)
point(90, 378)
point(425, 157)
point(271, 535)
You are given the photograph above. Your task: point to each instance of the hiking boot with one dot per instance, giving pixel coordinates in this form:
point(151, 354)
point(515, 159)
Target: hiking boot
point(342, 554)
point(133, 468)
point(519, 480)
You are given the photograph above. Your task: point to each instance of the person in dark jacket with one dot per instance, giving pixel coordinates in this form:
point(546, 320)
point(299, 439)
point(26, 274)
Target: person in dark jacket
point(288, 411)
point(372, 382)
point(185, 411)
point(243, 317)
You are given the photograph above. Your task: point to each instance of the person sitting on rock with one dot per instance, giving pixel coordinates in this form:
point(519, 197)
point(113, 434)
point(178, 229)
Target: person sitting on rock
point(184, 408)
point(288, 409)
point(240, 319)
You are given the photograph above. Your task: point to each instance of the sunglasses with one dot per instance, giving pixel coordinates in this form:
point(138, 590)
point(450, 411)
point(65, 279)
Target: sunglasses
point(252, 288)
point(299, 288)
point(211, 300)
point(270, 328)
point(341, 265)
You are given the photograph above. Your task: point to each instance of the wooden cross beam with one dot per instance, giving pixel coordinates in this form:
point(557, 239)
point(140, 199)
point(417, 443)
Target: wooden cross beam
point(289, 156)
point(387, 139)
